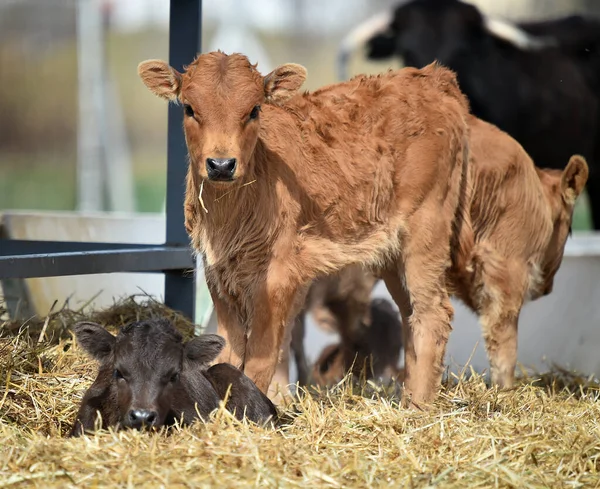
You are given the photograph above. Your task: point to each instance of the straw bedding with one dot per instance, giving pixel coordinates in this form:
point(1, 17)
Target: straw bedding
point(544, 433)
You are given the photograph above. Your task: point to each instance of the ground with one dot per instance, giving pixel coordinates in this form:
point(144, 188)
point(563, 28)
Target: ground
point(544, 433)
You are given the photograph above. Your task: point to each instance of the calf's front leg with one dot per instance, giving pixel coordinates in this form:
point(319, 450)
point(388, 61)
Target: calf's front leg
point(230, 328)
point(281, 379)
point(500, 335)
point(501, 285)
point(276, 305)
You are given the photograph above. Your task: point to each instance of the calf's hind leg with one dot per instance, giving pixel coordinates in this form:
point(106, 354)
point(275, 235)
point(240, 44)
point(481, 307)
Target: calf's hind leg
point(426, 316)
point(418, 286)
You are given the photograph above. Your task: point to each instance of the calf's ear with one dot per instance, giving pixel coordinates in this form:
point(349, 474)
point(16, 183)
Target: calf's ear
point(204, 349)
point(160, 78)
point(94, 339)
point(284, 82)
point(574, 178)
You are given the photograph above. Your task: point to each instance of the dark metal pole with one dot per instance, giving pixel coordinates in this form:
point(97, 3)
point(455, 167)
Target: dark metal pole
point(185, 29)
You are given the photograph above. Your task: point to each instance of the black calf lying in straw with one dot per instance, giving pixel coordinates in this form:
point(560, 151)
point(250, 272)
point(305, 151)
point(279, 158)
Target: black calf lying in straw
point(149, 378)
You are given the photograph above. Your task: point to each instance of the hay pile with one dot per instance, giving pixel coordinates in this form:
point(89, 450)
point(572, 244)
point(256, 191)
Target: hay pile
point(545, 433)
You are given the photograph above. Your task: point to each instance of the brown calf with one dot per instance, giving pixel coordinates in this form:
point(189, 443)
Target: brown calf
point(283, 188)
point(520, 220)
point(149, 378)
point(520, 217)
point(372, 350)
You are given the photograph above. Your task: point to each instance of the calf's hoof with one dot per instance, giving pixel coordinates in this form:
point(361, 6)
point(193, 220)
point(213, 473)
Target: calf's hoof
point(279, 394)
point(417, 400)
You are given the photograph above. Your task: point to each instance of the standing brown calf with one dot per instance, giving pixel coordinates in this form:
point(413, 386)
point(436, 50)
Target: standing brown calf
point(149, 378)
point(284, 188)
point(510, 251)
point(520, 219)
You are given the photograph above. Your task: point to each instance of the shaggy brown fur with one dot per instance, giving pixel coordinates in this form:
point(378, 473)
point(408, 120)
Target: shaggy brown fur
point(370, 171)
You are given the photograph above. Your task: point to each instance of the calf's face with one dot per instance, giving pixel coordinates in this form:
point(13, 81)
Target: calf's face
point(147, 360)
point(222, 97)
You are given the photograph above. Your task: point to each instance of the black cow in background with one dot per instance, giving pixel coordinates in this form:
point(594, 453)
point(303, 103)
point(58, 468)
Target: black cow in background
point(577, 37)
point(538, 81)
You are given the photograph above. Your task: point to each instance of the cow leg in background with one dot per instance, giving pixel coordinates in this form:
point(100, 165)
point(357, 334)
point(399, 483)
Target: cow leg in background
point(500, 335)
point(229, 327)
point(281, 379)
point(297, 347)
point(398, 292)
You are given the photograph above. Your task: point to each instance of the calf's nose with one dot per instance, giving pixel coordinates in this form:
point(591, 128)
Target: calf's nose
point(142, 417)
point(220, 168)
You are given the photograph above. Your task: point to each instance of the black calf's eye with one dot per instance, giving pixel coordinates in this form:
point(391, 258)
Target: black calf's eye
point(174, 378)
point(188, 110)
point(118, 375)
point(254, 113)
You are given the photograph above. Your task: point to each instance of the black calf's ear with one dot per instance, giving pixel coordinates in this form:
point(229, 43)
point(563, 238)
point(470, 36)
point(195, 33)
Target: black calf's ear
point(94, 339)
point(204, 349)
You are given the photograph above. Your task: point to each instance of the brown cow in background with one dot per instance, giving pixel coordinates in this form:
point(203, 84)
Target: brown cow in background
point(338, 303)
point(284, 188)
point(370, 330)
point(369, 351)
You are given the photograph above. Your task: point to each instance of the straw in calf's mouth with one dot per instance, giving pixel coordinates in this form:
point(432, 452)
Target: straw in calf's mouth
point(218, 198)
point(200, 197)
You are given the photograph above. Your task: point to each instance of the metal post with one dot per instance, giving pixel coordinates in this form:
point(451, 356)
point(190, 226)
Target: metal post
point(91, 105)
point(119, 188)
point(185, 28)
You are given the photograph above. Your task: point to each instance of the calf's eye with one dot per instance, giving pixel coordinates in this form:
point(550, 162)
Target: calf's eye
point(174, 378)
point(118, 375)
point(254, 113)
point(188, 110)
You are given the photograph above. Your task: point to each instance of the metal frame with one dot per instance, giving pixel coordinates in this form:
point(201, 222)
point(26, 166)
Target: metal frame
point(29, 259)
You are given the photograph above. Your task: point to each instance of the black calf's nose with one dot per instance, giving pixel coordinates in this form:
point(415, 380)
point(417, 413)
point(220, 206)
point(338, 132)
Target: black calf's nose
point(141, 417)
point(220, 168)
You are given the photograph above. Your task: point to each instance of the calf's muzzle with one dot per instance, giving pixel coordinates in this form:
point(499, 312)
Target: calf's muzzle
point(220, 169)
point(139, 418)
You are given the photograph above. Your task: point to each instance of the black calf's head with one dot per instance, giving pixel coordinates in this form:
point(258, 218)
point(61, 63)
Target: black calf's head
point(147, 360)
